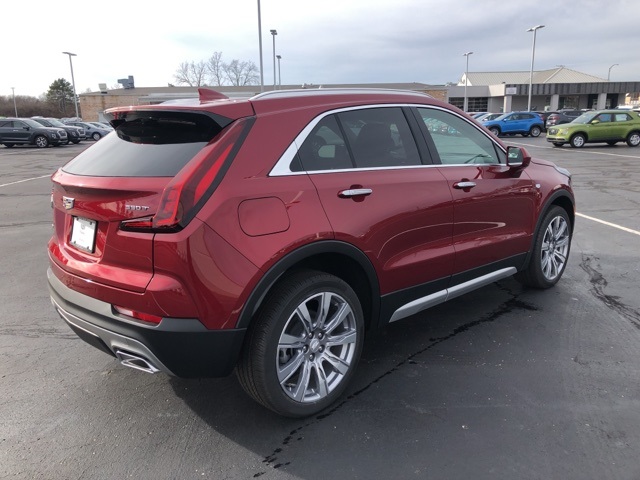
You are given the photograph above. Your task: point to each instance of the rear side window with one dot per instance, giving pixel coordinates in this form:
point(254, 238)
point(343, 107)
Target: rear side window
point(360, 138)
point(148, 144)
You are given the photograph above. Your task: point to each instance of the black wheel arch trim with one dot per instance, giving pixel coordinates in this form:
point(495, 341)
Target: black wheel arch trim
point(290, 260)
point(550, 202)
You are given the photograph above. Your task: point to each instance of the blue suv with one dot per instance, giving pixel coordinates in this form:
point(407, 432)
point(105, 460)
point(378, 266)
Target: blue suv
point(524, 123)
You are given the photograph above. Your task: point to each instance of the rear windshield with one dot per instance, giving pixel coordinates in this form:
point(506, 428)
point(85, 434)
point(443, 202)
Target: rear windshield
point(148, 144)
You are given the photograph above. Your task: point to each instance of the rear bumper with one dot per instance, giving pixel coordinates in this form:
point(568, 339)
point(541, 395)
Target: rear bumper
point(180, 347)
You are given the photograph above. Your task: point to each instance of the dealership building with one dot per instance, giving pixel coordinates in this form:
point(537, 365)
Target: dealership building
point(485, 91)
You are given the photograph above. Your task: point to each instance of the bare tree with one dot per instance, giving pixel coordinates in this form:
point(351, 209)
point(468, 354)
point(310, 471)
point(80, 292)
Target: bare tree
point(241, 73)
point(191, 74)
point(215, 69)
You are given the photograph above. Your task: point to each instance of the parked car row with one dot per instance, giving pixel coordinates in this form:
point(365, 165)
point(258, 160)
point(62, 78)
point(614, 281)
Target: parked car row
point(45, 131)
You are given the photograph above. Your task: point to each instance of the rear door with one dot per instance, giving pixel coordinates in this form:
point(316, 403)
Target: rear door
point(379, 195)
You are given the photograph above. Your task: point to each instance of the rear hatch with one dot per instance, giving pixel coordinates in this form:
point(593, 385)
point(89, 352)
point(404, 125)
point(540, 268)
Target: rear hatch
point(107, 199)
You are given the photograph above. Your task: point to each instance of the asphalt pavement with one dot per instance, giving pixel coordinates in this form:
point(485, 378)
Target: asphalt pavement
point(502, 383)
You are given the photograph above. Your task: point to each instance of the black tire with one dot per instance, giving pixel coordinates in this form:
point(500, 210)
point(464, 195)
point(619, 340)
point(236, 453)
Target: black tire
point(551, 248)
point(75, 142)
point(41, 141)
point(320, 358)
point(558, 144)
point(578, 140)
point(9, 145)
point(535, 131)
point(633, 139)
point(96, 136)
point(495, 131)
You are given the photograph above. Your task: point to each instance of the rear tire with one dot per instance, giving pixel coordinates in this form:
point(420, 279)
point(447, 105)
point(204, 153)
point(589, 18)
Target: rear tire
point(495, 131)
point(550, 251)
point(535, 131)
point(611, 143)
point(633, 139)
point(96, 136)
point(303, 347)
point(8, 145)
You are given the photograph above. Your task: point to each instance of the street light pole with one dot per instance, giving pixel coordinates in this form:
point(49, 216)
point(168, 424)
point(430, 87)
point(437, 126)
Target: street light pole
point(73, 81)
point(274, 33)
point(279, 57)
point(609, 75)
point(15, 108)
point(260, 47)
point(466, 81)
point(533, 54)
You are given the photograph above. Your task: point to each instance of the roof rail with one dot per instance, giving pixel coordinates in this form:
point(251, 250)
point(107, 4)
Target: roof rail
point(303, 92)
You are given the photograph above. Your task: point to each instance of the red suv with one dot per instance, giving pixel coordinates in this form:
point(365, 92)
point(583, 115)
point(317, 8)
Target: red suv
point(270, 234)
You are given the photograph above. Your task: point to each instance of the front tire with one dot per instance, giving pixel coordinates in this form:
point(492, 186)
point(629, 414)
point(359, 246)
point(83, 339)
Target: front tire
point(303, 348)
point(550, 251)
point(578, 140)
point(41, 141)
point(633, 139)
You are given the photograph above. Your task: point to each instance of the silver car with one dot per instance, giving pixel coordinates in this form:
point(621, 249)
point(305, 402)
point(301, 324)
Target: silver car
point(91, 130)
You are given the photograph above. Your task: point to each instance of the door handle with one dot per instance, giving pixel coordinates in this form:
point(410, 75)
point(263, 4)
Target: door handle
point(464, 185)
point(355, 192)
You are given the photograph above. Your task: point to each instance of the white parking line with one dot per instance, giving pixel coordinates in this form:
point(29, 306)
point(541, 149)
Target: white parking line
point(570, 150)
point(25, 180)
point(609, 224)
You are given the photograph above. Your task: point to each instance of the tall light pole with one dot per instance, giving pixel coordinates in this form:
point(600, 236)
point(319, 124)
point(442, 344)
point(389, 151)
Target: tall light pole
point(609, 75)
point(13, 90)
point(533, 55)
point(279, 57)
point(260, 46)
point(274, 33)
point(73, 81)
point(466, 80)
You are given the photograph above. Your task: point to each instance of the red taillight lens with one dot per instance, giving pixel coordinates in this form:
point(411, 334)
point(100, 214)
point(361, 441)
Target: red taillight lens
point(145, 317)
point(185, 194)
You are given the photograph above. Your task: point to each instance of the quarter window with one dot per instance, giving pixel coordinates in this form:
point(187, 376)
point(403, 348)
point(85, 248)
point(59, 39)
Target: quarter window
point(457, 141)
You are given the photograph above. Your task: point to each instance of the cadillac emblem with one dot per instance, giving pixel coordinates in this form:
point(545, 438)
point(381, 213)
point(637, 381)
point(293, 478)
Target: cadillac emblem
point(67, 203)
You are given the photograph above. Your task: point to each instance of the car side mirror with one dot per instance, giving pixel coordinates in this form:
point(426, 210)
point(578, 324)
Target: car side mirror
point(518, 157)
point(595, 121)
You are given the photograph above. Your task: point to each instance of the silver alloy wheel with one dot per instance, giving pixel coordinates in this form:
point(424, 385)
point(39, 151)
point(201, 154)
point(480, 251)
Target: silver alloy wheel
point(41, 141)
point(555, 247)
point(316, 348)
point(634, 139)
point(535, 131)
point(578, 141)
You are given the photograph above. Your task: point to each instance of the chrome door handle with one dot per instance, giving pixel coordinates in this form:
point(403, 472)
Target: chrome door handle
point(463, 185)
point(355, 192)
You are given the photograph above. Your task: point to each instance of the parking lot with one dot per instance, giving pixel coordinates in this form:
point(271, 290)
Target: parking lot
point(503, 383)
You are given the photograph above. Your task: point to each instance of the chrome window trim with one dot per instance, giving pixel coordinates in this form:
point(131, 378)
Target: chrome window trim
point(281, 168)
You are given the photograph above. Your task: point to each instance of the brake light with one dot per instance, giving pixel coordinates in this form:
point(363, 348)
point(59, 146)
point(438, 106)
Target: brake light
point(185, 194)
point(145, 317)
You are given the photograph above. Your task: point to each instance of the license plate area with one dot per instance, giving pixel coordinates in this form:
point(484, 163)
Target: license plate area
point(83, 234)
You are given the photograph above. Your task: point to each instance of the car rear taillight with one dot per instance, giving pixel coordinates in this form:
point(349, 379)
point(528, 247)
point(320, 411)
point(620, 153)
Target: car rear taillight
point(192, 186)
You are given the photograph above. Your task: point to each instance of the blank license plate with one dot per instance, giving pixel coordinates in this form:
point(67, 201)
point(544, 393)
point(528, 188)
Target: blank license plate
point(83, 234)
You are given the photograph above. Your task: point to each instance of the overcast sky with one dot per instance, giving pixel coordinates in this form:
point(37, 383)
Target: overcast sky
point(321, 42)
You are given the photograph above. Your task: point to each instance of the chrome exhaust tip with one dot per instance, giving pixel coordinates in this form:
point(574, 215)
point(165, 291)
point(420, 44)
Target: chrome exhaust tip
point(134, 361)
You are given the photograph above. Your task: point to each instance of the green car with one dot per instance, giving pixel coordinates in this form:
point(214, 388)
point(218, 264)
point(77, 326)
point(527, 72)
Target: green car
point(604, 126)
